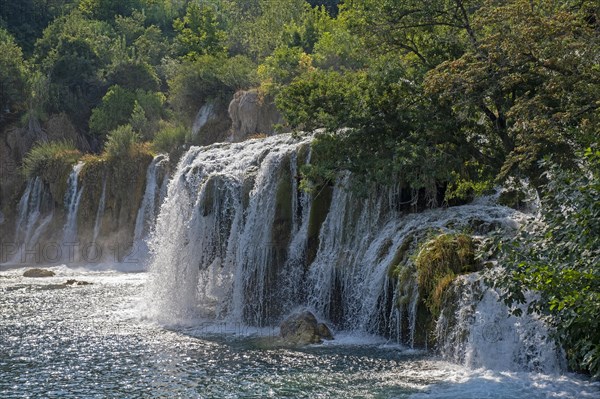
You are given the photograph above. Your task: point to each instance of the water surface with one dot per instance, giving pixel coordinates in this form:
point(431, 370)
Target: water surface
point(95, 342)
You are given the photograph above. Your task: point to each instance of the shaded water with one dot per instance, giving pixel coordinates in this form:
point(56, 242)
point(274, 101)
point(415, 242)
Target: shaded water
point(94, 342)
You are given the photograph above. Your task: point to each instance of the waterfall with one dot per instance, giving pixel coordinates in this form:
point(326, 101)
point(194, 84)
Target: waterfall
point(32, 217)
point(216, 250)
point(72, 199)
point(153, 197)
point(154, 194)
point(232, 237)
point(478, 331)
point(237, 241)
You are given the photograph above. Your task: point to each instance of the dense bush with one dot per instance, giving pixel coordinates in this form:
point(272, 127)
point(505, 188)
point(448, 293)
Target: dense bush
point(206, 78)
point(49, 156)
point(118, 106)
point(120, 143)
point(169, 138)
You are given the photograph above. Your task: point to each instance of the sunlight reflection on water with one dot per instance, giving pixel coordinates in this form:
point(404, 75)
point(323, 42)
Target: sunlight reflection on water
point(92, 342)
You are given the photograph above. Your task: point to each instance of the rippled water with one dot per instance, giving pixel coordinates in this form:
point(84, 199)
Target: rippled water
point(93, 342)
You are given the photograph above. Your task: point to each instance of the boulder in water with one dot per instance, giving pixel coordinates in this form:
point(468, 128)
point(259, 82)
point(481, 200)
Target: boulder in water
point(324, 331)
point(38, 273)
point(302, 329)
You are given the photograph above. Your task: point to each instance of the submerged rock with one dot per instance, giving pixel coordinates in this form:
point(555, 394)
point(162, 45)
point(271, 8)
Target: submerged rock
point(38, 273)
point(75, 282)
point(303, 329)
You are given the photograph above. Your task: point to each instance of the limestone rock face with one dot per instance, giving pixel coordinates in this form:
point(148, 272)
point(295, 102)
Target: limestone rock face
point(251, 114)
point(38, 273)
point(302, 329)
point(211, 124)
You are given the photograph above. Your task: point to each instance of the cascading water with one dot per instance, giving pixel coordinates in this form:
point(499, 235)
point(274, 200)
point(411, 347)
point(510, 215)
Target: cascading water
point(156, 184)
point(216, 247)
point(72, 199)
point(33, 217)
point(237, 241)
point(154, 195)
point(478, 331)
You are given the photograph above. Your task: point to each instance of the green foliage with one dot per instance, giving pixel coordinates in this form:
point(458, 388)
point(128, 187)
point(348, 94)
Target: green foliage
point(517, 75)
point(54, 155)
point(338, 48)
point(26, 19)
point(389, 147)
point(72, 52)
point(323, 99)
point(119, 104)
point(281, 67)
point(134, 75)
point(13, 76)
point(257, 27)
point(200, 31)
point(115, 109)
point(120, 143)
point(107, 9)
point(194, 82)
point(438, 262)
point(559, 257)
point(169, 138)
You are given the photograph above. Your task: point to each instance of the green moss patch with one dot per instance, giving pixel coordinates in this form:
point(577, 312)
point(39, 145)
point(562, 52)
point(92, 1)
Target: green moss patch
point(438, 262)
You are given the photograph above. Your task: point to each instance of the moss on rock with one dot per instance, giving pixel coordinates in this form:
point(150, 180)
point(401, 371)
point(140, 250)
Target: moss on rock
point(438, 262)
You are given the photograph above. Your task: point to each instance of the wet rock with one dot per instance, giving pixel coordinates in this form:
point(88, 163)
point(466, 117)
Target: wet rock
point(38, 273)
point(75, 282)
point(302, 329)
point(324, 331)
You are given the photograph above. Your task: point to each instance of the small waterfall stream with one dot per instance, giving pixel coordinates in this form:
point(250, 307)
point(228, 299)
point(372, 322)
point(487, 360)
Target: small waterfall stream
point(156, 184)
point(33, 217)
point(154, 194)
point(72, 199)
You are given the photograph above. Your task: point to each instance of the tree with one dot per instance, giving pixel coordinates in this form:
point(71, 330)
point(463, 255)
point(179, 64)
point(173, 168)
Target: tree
point(26, 19)
point(133, 74)
point(531, 72)
point(72, 52)
point(13, 77)
point(208, 78)
point(256, 28)
point(106, 10)
point(200, 31)
point(118, 106)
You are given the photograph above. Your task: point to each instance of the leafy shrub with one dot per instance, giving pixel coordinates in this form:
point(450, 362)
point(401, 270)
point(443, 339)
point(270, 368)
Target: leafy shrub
point(115, 110)
point(283, 66)
point(49, 156)
point(169, 138)
point(120, 142)
point(118, 106)
point(134, 74)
